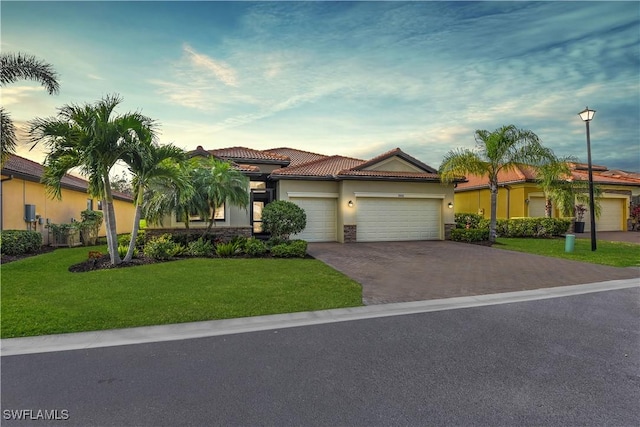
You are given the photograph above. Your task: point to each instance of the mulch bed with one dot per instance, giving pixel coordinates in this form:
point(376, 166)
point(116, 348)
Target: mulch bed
point(104, 262)
point(6, 259)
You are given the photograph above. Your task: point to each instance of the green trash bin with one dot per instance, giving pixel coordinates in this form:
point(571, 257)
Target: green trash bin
point(569, 242)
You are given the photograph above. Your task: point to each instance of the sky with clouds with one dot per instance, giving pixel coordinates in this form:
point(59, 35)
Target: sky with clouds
point(349, 78)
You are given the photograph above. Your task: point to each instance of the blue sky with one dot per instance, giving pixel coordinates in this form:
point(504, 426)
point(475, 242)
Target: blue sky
point(355, 79)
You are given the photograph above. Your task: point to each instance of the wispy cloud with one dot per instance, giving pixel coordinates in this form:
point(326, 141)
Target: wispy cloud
point(221, 70)
point(16, 94)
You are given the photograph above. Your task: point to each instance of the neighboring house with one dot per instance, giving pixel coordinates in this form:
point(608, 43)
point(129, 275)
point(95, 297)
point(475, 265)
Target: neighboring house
point(390, 197)
point(22, 195)
point(520, 196)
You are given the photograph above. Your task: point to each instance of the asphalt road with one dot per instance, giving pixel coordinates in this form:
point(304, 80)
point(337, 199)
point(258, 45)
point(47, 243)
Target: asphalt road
point(562, 361)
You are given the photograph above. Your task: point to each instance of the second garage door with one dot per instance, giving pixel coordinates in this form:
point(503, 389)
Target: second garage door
point(390, 219)
point(321, 219)
point(611, 215)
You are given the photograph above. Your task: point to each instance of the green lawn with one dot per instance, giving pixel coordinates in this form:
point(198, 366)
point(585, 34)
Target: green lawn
point(40, 296)
point(616, 254)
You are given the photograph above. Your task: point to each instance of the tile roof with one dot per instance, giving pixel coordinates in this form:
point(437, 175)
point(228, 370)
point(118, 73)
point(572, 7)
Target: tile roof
point(244, 154)
point(297, 157)
point(524, 173)
point(389, 174)
point(397, 152)
point(33, 171)
point(322, 168)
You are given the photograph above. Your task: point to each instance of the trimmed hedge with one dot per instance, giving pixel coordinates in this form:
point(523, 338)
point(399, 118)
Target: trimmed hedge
point(469, 234)
point(532, 227)
point(291, 249)
point(18, 242)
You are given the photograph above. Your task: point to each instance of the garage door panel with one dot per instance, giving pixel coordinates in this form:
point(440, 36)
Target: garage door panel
point(380, 219)
point(611, 211)
point(321, 219)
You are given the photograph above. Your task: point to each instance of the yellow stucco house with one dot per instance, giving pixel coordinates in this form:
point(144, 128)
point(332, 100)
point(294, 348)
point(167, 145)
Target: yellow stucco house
point(520, 196)
point(391, 197)
point(25, 205)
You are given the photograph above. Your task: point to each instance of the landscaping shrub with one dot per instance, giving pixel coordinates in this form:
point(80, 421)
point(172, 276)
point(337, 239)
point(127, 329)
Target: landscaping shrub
point(471, 219)
point(291, 249)
point(532, 227)
point(200, 248)
point(469, 235)
point(123, 249)
point(90, 226)
point(162, 247)
point(283, 218)
point(18, 242)
point(124, 239)
point(229, 249)
point(255, 247)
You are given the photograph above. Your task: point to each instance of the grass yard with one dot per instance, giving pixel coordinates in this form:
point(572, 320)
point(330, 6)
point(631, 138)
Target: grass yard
point(617, 254)
point(40, 296)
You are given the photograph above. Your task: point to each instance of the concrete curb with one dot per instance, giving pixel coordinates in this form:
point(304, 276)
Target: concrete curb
point(174, 332)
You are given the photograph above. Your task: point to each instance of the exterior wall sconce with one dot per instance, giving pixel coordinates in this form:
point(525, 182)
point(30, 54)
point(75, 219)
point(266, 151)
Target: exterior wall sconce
point(526, 201)
point(450, 205)
point(350, 204)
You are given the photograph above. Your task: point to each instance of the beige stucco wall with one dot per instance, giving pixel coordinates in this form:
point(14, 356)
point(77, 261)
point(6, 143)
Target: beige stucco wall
point(394, 164)
point(18, 192)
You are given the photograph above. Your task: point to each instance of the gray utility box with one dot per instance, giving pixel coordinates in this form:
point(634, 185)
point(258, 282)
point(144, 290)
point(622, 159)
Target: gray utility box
point(30, 213)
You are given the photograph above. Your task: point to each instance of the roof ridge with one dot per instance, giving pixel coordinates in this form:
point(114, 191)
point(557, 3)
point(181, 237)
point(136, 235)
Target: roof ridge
point(270, 150)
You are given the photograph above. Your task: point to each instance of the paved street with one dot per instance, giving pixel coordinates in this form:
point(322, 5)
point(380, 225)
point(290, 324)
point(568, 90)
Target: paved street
point(561, 361)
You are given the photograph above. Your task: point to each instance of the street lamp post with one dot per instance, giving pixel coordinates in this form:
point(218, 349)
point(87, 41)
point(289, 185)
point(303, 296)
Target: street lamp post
point(587, 115)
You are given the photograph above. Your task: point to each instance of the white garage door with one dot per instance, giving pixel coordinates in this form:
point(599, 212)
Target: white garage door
point(611, 211)
point(321, 219)
point(384, 219)
point(537, 207)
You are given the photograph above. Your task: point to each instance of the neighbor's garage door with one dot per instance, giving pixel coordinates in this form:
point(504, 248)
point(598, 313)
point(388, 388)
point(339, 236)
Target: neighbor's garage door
point(611, 211)
point(537, 207)
point(386, 219)
point(321, 219)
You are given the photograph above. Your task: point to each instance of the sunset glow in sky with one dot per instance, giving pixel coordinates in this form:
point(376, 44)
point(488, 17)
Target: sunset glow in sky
point(349, 78)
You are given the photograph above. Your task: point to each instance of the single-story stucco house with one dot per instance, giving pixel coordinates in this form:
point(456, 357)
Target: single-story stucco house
point(390, 197)
point(25, 204)
point(520, 196)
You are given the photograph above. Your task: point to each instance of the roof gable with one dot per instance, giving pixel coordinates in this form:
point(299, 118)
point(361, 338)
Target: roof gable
point(396, 160)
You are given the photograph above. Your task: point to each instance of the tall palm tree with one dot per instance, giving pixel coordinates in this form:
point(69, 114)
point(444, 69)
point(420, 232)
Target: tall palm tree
point(502, 149)
point(12, 68)
point(92, 138)
point(220, 183)
point(147, 163)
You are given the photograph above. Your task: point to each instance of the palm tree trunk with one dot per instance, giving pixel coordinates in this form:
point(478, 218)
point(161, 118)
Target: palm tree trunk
point(110, 218)
point(135, 227)
point(494, 203)
point(548, 207)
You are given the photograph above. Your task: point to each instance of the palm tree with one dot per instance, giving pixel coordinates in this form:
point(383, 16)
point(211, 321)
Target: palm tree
point(220, 183)
point(147, 163)
point(502, 149)
point(90, 137)
point(552, 178)
point(12, 68)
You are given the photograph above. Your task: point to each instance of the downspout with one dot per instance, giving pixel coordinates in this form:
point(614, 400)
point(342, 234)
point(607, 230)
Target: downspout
point(1, 199)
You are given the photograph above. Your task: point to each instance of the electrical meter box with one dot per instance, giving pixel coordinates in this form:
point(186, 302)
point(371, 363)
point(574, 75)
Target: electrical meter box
point(30, 213)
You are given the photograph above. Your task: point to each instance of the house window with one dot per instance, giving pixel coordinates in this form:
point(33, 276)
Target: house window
point(89, 204)
point(196, 217)
point(99, 205)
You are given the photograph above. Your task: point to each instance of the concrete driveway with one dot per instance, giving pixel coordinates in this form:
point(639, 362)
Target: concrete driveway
point(413, 271)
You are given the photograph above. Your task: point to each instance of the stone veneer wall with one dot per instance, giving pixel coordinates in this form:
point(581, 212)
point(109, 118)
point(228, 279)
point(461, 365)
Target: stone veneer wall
point(350, 233)
point(223, 233)
point(447, 231)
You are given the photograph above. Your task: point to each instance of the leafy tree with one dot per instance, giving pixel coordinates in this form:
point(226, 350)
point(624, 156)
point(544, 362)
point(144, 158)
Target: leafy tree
point(92, 138)
point(14, 67)
point(283, 218)
point(121, 184)
point(502, 149)
point(148, 163)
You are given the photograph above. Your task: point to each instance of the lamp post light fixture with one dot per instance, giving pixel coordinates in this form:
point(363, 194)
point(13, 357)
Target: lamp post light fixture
point(587, 115)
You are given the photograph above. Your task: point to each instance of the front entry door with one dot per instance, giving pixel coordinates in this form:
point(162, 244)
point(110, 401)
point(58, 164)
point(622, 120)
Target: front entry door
point(259, 199)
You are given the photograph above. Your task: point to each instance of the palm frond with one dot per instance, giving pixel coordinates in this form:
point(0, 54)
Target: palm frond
point(20, 66)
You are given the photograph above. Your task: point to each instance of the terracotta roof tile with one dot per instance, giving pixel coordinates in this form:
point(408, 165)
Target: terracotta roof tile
point(389, 174)
point(324, 167)
point(33, 171)
point(297, 157)
point(247, 155)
